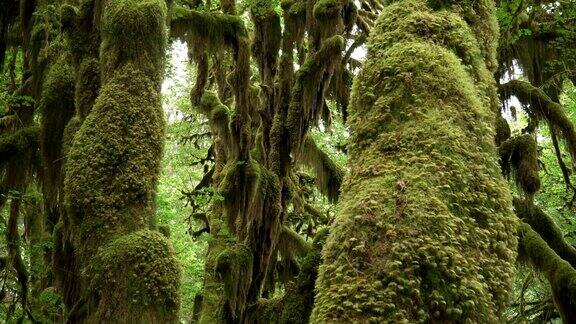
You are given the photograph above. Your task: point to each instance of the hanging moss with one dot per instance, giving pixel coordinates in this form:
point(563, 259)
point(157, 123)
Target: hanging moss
point(308, 90)
point(208, 31)
point(420, 236)
point(267, 38)
point(544, 107)
point(328, 174)
point(533, 250)
point(519, 156)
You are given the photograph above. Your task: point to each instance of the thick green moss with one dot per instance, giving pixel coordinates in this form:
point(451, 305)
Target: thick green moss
point(87, 86)
point(113, 164)
point(133, 32)
point(128, 271)
point(425, 230)
point(137, 278)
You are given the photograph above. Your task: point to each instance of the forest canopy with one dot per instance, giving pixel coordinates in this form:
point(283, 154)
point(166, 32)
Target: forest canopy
point(287, 161)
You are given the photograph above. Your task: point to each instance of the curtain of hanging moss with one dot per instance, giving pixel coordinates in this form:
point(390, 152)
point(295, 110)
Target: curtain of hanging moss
point(425, 229)
point(129, 272)
point(254, 152)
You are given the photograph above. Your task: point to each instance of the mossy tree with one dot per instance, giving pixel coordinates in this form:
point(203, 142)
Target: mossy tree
point(425, 229)
point(91, 72)
point(260, 126)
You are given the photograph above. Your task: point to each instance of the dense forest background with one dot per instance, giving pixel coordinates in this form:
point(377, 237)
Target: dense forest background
point(295, 161)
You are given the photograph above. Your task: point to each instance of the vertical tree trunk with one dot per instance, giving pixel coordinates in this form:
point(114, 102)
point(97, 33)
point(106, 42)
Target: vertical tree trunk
point(129, 272)
point(425, 229)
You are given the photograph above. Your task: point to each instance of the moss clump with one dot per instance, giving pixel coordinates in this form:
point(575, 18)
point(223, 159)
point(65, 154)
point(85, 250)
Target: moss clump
point(519, 156)
point(420, 236)
point(502, 130)
point(137, 277)
point(327, 10)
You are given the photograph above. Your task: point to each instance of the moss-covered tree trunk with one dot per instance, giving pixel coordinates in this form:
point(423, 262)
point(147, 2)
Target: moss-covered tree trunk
point(425, 229)
point(128, 271)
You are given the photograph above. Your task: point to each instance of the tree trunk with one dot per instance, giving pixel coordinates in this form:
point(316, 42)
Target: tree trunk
point(425, 229)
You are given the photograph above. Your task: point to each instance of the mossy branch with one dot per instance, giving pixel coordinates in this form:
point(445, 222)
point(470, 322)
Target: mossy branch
point(291, 243)
point(543, 106)
point(545, 226)
point(308, 93)
point(532, 249)
point(208, 31)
